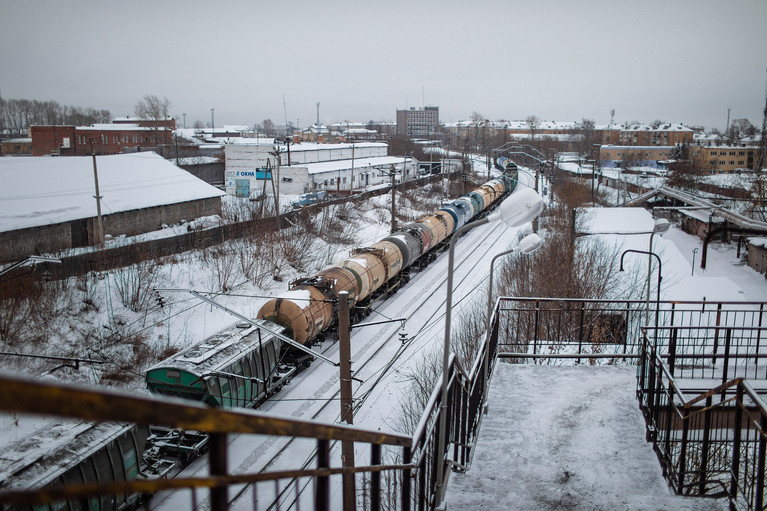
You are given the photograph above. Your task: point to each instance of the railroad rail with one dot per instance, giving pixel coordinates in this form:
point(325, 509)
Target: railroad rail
point(400, 471)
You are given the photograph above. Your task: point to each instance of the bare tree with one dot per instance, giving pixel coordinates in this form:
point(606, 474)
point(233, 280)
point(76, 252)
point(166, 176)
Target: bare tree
point(686, 169)
point(742, 128)
point(17, 115)
point(630, 159)
point(156, 110)
point(268, 127)
point(757, 206)
point(589, 136)
point(532, 123)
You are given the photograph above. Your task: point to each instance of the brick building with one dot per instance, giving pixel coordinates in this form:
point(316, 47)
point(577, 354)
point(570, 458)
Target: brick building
point(640, 156)
point(726, 159)
point(645, 135)
point(16, 147)
point(98, 138)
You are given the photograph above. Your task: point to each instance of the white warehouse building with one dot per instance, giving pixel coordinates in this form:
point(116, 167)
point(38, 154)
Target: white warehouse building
point(307, 167)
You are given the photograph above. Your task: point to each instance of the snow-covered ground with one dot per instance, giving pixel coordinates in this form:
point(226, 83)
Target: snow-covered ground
point(380, 361)
point(565, 437)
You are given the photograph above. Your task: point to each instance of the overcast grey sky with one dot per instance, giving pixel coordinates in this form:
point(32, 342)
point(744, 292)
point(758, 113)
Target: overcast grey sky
point(675, 60)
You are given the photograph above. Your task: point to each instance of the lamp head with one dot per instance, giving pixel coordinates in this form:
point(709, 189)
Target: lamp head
point(661, 226)
point(519, 208)
point(529, 244)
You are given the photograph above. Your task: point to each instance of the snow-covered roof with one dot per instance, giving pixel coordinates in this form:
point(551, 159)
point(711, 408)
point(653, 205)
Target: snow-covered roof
point(134, 118)
point(673, 127)
point(638, 147)
point(615, 220)
point(222, 349)
point(49, 190)
point(517, 125)
point(198, 160)
point(758, 242)
point(236, 127)
point(45, 454)
point(702, 215)
point(359, 164)
point(116, 127)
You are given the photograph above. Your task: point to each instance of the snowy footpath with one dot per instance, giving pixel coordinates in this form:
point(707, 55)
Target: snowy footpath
point(565, 438)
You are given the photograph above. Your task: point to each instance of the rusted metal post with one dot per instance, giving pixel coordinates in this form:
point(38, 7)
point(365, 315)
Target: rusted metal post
point(727, 344)
point(683, 453)
point(375, 478)
point(702, 477)
point(347, 408)
point(217, 460)
point(406, 483)
point(736, 443)
point(759, 500)
point(322, 490)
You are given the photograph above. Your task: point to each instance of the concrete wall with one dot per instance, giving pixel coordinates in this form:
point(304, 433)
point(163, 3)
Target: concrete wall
point(212, 173)
point(757, 255)
point(18, 244)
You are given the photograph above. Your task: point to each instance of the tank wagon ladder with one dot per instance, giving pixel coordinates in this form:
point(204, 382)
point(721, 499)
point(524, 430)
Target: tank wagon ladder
point(236, 314)
point(389, 287)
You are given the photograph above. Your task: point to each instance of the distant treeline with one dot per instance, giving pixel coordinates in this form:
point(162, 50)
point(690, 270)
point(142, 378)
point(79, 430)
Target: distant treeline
point(17, 115)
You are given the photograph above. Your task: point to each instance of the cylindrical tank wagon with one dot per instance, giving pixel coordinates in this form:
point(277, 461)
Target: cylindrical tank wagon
point(308, 308)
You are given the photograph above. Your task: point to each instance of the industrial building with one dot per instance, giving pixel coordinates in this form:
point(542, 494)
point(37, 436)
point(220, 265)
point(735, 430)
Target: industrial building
point(251, 164)
point(48, 204)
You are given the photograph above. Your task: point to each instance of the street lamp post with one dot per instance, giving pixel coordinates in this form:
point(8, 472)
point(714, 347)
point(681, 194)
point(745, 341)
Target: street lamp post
point(660, 277)
point(527, 245)
point(518, 209)
point(661, 226)
point(692, 271)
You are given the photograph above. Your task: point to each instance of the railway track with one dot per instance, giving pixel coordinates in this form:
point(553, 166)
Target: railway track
point(310, 394)
point(374, 358)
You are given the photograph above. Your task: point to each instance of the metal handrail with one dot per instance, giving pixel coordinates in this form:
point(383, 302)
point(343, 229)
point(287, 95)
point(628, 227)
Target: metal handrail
point(75, 401)
point(735, 466)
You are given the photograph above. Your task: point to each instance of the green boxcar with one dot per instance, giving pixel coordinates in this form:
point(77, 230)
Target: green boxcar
point(82, 453)
point(235, 367)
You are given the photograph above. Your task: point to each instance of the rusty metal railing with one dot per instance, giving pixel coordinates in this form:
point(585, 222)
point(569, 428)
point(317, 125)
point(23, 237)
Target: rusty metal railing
point(401, 471)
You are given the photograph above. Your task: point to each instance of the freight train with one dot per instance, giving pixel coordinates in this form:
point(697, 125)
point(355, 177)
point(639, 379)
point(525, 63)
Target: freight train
point(249, 361)
point(245, 364)
point(504, 164)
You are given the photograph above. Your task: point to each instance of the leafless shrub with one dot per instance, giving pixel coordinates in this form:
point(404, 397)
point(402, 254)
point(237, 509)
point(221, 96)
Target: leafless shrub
point(135, 284)
point(129, 355)
point(421, 380)
point(223, 260)
point(294, 245)
point(27, 317)
point(468, 333)
point(329, 225)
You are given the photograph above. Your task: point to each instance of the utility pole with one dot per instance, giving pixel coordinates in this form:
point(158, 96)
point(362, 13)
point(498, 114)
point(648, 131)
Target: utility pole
point(184, 120)
point(212, 123)
point(347, 408)
point(98, 198)
point(351, 186)
point(393, 218)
